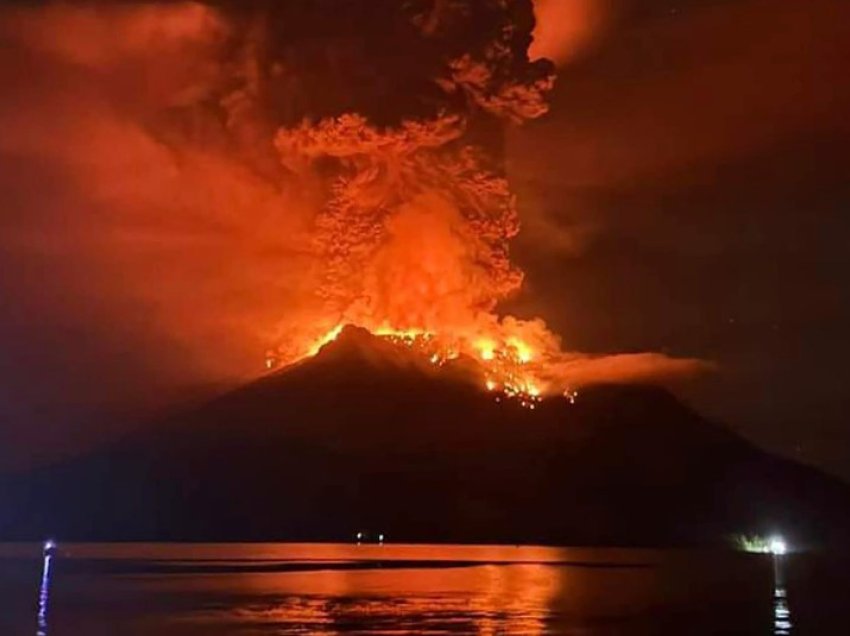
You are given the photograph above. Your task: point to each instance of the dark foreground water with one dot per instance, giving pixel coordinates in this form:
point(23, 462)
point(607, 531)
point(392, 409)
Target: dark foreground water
point(264, 589)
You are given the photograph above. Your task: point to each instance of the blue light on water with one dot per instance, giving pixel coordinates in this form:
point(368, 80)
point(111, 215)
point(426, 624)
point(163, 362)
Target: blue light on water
point(44, 590)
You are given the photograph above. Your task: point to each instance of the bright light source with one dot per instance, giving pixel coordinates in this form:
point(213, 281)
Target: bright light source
point(777, 546)
point(49, 545)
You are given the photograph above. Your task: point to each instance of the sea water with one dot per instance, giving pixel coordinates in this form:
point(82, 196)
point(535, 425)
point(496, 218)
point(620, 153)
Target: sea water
point(326, 589)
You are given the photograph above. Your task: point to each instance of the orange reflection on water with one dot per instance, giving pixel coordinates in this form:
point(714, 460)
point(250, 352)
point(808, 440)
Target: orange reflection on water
point(481, 599)
point(280, 589)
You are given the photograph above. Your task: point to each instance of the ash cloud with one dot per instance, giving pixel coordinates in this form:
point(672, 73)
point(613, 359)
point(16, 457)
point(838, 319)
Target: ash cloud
point(188, 183)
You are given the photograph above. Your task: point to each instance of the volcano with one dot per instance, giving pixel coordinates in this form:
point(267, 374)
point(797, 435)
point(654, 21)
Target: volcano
point(365, 437)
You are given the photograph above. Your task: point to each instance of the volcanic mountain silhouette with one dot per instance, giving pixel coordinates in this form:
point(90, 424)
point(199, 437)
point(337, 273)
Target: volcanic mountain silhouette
point(366, 437)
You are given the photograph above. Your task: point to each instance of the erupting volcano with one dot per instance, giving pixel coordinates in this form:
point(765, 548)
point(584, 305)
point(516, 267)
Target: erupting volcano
point(415, 219)
point(415, 214)
point(295, 174)
point(368, 433)
point(260, 177)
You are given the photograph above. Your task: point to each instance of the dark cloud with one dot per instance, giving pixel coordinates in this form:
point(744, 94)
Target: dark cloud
point(691, 179)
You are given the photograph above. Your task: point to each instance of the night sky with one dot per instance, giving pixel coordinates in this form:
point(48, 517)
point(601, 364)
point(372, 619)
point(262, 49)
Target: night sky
point(701, 150)
point(687, 194)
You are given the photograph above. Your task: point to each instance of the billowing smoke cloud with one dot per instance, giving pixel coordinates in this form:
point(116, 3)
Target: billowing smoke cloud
point(414, 215)
point(206, 181)
point(129, 181)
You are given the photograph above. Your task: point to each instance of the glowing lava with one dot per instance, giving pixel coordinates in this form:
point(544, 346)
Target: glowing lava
point(509, 365)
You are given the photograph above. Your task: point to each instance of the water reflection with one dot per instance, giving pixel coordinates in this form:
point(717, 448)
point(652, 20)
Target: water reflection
point(331, 590)
point(487, 599)
point(593, 592)
point(44, 589)
point(781, 613)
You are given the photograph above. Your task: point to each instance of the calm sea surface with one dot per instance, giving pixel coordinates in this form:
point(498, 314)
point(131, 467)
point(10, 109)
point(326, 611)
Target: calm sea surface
point(263, 589)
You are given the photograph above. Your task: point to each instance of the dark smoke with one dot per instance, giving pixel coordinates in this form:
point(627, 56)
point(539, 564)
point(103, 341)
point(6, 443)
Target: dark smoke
point(188, 184)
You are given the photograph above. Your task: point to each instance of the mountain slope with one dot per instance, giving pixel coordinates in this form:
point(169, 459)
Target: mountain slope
point(366, 437)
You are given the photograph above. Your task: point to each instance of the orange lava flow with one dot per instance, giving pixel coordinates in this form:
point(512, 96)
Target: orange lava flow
point(511, 367)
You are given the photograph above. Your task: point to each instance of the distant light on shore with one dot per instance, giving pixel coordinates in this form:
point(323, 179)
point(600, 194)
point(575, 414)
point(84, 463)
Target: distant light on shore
point(777, 546)
point(774, 545)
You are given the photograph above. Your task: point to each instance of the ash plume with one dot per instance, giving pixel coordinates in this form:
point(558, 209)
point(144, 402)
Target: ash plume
point(228, 177)
point(414, 213)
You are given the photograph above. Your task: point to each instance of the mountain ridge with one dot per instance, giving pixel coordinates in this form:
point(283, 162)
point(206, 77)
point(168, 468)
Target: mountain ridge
point(364, 436)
